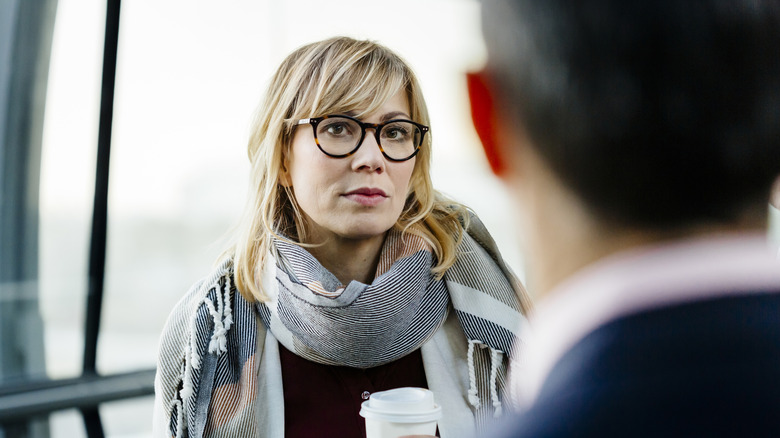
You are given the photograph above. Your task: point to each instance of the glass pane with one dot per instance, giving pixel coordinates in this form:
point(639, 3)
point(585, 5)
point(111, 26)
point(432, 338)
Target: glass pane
point(178, 168)
point(67, 179)
point(130, 418)
point(67, 424)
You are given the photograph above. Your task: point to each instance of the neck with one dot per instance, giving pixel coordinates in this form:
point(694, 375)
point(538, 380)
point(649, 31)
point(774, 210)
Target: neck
point(349, 259)
point(563, 254)
point(566, 236)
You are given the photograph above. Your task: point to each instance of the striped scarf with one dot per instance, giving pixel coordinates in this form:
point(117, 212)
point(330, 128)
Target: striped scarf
point(215, 391)
point(360, 325)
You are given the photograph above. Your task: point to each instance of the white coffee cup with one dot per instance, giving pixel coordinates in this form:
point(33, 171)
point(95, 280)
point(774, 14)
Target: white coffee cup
point(399, 412)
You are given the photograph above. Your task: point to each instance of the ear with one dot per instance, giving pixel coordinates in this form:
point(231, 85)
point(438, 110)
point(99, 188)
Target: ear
point(775, 197)
point(284, 179)
point(483, 115)
point(284, 172)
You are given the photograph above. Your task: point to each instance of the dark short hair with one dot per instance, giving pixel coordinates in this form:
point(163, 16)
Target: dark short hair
point(656, 113)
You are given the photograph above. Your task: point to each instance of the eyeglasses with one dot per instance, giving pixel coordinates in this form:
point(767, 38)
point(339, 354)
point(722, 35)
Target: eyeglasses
point(340, 136)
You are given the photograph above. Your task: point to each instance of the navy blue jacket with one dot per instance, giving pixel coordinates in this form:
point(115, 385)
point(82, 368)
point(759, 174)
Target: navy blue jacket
point(703, 369)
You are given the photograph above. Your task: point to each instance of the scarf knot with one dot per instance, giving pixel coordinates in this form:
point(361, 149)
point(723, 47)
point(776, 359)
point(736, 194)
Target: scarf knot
point(357, 325)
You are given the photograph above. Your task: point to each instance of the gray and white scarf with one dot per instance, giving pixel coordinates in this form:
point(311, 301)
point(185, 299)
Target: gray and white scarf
point(313, 315)
point(360, 325)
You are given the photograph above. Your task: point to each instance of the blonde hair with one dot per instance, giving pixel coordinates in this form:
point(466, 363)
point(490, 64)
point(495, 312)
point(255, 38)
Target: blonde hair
point(337, 75)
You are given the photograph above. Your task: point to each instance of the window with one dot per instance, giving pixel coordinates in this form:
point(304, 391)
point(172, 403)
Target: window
point(188, 78)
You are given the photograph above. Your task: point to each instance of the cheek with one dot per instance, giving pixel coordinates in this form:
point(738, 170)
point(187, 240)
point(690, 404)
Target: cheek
point(409, 172)
point(307, 188)
point(403, 181)
point(313, 183)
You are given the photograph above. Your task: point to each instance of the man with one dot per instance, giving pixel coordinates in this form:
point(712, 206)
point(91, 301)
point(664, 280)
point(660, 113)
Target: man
point(639, 141)
point(774, 216)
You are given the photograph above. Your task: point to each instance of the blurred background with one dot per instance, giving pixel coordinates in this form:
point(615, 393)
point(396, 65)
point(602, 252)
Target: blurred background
point(189, 76)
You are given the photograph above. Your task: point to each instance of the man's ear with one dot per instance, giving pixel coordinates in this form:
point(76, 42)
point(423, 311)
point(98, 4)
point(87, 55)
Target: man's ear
point(483, 114)
point(775, 196)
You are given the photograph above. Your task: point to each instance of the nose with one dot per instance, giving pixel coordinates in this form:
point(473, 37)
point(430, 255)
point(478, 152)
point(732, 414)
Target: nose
point(369, 155)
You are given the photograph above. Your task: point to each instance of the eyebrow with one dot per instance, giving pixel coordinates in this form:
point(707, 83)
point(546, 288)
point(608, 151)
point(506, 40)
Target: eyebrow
point(394, 115)
point(385, 117)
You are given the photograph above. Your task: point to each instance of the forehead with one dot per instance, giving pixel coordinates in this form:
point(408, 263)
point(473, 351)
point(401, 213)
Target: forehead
point(396, 104)
point(357, 90)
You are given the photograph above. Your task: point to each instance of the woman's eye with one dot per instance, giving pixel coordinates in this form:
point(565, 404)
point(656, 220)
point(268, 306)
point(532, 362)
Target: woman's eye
point(336, 129)
point(396, 133)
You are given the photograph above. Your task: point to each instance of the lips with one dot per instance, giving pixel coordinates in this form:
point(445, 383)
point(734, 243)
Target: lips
point(365, 191)
point(366, 196)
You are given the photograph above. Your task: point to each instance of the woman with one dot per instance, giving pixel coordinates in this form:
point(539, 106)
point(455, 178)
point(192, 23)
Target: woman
point(349, 273)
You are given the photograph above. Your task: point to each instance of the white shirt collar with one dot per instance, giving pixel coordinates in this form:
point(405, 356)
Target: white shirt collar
point(634, 281)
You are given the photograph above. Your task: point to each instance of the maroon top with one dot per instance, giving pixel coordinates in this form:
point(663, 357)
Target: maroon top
point(324, 400)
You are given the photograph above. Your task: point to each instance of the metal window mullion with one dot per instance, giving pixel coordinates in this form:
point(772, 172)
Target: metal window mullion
point(97, 252)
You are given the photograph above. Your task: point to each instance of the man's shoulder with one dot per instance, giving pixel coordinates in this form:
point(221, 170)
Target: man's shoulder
point(705, 367)
point(722, 333)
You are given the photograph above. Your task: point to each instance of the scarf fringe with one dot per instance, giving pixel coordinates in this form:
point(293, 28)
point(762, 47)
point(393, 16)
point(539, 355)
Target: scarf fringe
point(185, 393)
point(179, 406)
point(228, 312)
point(495, 362)
point(496, 357)
point(473, 394)
point(223, 319)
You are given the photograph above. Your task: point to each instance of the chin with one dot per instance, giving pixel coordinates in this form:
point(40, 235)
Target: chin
point(365, 231)
point(362, 234)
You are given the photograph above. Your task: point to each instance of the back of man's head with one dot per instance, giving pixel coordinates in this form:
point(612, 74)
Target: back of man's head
point(656, 114)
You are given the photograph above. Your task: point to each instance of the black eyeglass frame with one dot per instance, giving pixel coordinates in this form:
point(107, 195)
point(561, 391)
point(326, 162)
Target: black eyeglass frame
point(377, 127)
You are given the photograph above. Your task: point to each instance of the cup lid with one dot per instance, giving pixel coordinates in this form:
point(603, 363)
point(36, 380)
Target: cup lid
point(402, 405)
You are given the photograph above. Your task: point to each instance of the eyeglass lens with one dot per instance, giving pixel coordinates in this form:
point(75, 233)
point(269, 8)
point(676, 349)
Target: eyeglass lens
point(340, 136)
